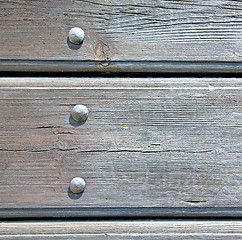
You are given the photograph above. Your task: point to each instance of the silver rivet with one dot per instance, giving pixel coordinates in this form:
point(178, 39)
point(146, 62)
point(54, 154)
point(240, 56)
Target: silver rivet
point(77, 185)
point(79, 113)
point(76, 35)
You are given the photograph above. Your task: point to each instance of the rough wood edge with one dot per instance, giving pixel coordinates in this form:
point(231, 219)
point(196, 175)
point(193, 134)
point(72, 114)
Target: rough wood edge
point(64, 212)
point(120, 67)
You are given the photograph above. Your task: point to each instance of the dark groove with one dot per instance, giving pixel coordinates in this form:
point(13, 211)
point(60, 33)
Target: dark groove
point(50, 219)
point(104, 150)
point(122, 213)
point(65, 68)
point(123, 75)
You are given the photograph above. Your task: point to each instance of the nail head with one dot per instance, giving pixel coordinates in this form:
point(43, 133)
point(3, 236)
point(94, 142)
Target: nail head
point(76, 35)
point(79, 113)
point(77, 185)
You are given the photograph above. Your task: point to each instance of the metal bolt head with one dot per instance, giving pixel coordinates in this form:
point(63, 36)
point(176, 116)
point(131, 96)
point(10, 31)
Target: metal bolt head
point(77, 185)
point(76, 35)
point(79, 113)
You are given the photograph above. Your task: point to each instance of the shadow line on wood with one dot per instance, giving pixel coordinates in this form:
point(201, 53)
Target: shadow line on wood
point(123, 212)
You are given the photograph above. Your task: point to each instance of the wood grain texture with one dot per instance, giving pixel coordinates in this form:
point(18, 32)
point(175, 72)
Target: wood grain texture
point(151, 147)
point(121, 31)
point(230, 230)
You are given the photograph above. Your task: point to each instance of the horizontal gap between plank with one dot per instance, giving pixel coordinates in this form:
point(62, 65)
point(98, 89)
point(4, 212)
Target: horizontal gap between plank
point(115, 68)
point(107, 218)
point(117, 75)
point(119, 213)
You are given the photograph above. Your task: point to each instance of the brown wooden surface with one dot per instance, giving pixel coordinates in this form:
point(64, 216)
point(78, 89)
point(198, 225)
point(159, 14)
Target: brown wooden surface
point(150, 147)
point(213, 230)
point(120, 33)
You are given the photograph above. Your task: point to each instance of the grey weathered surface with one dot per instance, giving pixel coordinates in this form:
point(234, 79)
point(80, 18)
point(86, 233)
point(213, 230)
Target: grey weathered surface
point(230, 230)
point(150, 147)
point(121, 32)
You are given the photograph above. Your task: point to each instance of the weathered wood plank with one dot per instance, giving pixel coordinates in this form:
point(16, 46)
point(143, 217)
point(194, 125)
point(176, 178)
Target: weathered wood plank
point(121, 31)
point(151, 147)
point(122, 230)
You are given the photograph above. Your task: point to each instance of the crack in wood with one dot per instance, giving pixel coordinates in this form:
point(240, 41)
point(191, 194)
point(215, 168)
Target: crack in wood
point(106, 150)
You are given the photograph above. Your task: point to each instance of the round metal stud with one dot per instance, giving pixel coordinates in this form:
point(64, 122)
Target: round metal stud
point(79, 113)
point(76, 35)
point(77, 185)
